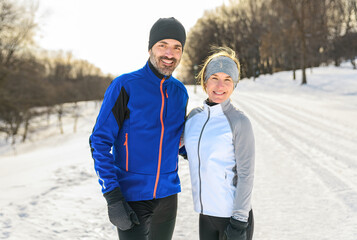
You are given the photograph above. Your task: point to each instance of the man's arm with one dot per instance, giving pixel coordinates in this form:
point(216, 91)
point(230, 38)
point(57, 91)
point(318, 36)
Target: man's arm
point(109, 121)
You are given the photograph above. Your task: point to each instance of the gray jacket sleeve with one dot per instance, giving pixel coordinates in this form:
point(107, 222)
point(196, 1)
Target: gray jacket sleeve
point(244, 150)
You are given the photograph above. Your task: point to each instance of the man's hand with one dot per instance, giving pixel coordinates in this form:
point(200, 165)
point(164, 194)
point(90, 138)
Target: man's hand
point(120, 213)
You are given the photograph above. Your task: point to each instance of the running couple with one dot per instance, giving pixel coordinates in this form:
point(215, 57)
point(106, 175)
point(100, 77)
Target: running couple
point(136, 138)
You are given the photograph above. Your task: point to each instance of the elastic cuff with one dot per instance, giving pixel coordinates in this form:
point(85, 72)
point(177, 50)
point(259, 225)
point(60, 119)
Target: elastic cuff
point(242, 219)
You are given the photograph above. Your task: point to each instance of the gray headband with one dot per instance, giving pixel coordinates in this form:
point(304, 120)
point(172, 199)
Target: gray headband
point(222, 64)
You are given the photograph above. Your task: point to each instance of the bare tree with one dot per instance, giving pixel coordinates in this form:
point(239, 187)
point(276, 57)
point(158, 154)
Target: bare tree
point(17, 27)
point(16, 31)
point(342, 24)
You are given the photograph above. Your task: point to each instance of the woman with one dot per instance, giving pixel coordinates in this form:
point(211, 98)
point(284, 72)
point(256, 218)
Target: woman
point(220, 148)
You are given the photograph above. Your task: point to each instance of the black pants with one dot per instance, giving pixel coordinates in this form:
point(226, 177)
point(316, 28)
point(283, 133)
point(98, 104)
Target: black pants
point(212, 228)
point(157, 219)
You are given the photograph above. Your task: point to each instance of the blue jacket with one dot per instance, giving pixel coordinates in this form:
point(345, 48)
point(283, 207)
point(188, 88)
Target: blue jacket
point(135, 140)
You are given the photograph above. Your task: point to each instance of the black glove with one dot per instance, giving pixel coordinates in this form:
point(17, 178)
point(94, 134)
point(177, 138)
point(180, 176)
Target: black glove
point(236, 230)
point(120, 213)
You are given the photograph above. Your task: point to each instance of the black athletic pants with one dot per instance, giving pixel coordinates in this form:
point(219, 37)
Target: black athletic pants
point(212, 228)
point(157, 219)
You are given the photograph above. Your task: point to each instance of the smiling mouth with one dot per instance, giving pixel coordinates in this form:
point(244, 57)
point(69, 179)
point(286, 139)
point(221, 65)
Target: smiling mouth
point(219, 93)
point(167, 62)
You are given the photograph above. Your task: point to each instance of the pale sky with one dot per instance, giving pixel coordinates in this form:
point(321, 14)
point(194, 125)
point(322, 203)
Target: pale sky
point(111, 34)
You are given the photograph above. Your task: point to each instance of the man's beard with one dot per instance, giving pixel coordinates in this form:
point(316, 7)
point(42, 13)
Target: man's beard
point(164, 70)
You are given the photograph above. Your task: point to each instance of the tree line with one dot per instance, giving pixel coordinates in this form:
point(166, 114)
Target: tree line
point(275, 35)
point(35, 82)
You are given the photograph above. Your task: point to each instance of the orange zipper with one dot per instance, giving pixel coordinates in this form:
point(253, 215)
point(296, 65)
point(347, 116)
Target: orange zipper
point(161, 137)
point(127, 151)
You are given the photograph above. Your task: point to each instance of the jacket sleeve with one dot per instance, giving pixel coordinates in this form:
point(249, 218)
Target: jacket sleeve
point(112, 114)
point(244, 147)
point(182, 149)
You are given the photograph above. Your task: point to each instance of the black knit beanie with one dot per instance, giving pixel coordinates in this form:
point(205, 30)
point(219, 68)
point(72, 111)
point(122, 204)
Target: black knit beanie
point(167, 28)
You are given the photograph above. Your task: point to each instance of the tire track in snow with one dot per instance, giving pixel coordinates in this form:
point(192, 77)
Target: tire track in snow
point(304, 114)
point(307, 152)
point(339, 137)
point(335, 151)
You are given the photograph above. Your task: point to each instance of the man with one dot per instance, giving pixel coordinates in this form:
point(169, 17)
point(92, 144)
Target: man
point(136, 137)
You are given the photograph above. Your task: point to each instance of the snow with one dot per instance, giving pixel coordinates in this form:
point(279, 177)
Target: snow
point(305, 178)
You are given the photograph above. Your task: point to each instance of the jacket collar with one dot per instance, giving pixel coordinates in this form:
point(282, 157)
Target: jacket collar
point(217, 109)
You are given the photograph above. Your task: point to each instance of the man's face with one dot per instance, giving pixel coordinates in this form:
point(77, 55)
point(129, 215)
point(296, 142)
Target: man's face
point(165, 55)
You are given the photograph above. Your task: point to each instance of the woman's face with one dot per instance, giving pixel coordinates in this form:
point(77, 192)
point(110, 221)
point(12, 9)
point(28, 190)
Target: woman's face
point(219, 87)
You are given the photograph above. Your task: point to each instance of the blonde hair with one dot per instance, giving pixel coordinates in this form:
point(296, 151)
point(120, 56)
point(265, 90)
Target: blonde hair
point(217, 52)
